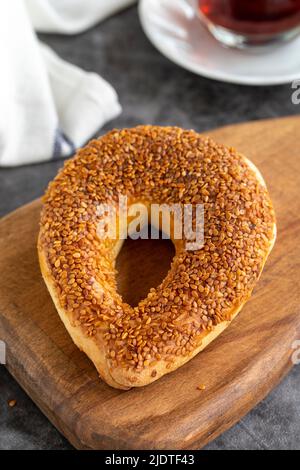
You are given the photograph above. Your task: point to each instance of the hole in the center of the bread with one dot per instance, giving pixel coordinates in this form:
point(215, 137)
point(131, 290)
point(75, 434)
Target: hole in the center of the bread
point(142, 264)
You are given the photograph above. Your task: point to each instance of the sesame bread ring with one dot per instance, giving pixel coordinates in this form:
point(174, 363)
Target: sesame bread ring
point(203, 290)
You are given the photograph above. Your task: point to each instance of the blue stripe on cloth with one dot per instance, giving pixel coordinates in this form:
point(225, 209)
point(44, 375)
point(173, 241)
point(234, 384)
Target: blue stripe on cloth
point(60, 140)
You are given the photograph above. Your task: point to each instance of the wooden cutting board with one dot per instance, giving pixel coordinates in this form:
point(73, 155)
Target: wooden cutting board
point(238, 369)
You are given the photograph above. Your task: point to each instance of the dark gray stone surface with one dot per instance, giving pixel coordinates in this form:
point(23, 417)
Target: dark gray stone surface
point(155, 91)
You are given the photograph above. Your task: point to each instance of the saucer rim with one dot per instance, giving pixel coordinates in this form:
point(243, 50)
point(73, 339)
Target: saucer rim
point(257, 80)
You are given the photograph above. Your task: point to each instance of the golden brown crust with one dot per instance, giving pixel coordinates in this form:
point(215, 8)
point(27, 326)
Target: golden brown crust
point(204, 289)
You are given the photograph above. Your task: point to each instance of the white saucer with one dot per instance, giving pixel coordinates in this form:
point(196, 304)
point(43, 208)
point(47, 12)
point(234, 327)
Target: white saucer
point(175, 30)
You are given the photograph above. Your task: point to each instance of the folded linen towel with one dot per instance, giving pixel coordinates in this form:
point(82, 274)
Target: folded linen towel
point(49, 107)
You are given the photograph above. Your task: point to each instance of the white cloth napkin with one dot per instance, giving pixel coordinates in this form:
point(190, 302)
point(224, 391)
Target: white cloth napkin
point(48, 107)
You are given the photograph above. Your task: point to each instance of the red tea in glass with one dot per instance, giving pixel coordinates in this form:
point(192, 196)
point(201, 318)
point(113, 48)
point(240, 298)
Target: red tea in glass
point(247, 22)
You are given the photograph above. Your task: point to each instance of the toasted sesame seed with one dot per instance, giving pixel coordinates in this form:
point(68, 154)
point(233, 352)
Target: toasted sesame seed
point(12, 403)
point(201, 387)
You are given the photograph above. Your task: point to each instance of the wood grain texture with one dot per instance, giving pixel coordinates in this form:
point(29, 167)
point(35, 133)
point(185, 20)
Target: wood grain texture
point(238, 369)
